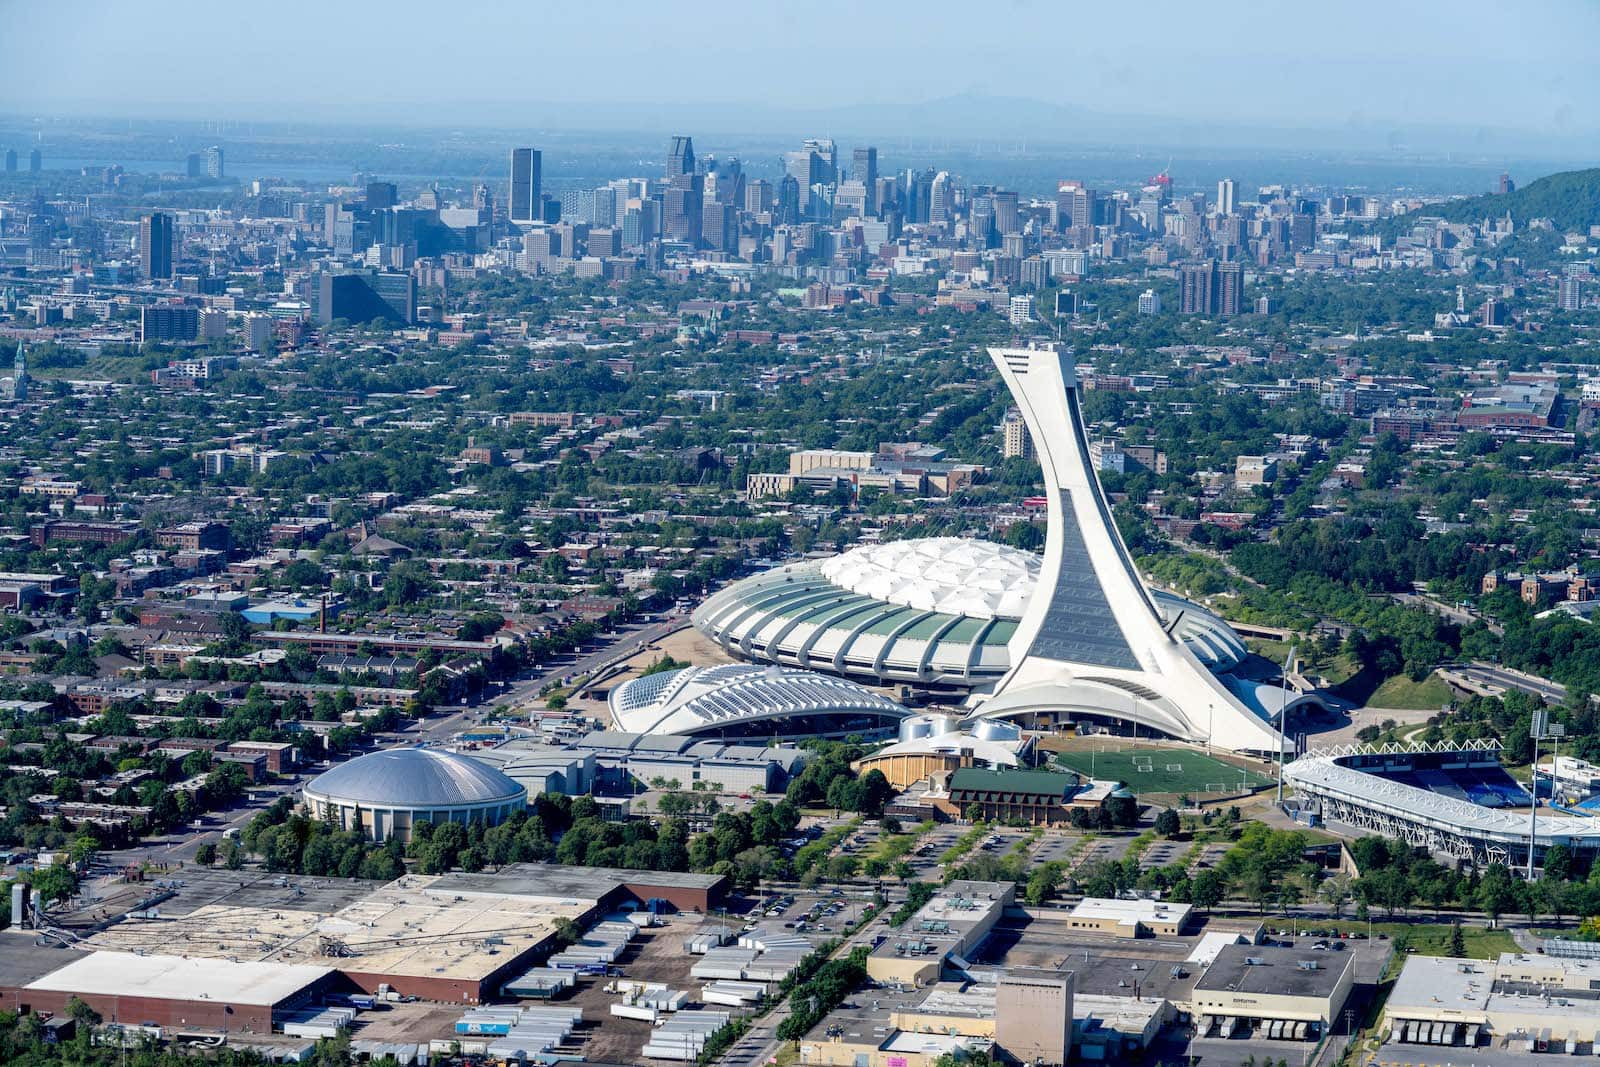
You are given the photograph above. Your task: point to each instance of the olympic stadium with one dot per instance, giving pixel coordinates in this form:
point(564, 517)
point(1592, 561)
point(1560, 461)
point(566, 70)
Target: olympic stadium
point(1455, 800)
point(1073, 637)
point(937, 612)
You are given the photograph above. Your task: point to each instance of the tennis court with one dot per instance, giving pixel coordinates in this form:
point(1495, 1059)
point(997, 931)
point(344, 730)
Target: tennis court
point(1154, 770)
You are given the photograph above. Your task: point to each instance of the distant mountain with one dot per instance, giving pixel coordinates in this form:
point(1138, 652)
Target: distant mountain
point(1570, 199)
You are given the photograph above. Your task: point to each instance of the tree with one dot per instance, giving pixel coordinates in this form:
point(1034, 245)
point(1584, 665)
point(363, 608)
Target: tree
point(1458, 942)
point(1497, 893)
point(1167, 823)
point(206, 854)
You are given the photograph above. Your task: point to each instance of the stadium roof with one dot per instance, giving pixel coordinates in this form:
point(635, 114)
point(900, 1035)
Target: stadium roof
point(937, 610)
point(416, 778)
point(696, 700)
point(952, 575)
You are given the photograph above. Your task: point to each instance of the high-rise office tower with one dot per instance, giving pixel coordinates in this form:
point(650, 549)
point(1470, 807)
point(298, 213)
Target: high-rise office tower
point(1230, 288)
point(1074, 205)
point(941, 199)
point(155, 245)
point(1007, 219)
point(864, 169)
point(216, 162)
point(980, 222)
point(382, 195)
point(195, 166)
point(603, 206)
point(526, 182)
point(788, 204)
point(680, 157)
point(1197, 288)
point(683, 208)
point(807, 170)
point(827, 158)
point(720, 226)
point(1506, 185)
point(1227, 193)
point(11, 161)
point(35, 162)
point(757, 196)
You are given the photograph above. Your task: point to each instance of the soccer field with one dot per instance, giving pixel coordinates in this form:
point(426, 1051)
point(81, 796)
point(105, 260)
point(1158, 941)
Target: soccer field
point(1154, 770)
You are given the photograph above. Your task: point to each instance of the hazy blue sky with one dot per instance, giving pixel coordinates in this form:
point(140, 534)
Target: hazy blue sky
point(1468, 63)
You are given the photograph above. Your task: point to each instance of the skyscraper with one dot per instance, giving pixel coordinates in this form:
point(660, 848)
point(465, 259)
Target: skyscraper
point(680, 157)
point(1230, 288)
point(195, 166)
point(1227, 191)
point(806, 168)
point(155, 245)
point(864, 169)
point(1570, 292)
point(941, 199)
point(684, 205)
point(1074, 205)
point(525, 185)
point(757, 196)
point(35, 162)
point(381, 195)
point(827, 157)
point(11, 161)
point(1197, 288)
point(1006, 216)
point(216, 162)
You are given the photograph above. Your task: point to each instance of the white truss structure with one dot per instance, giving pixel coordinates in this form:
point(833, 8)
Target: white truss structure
point(1421, 818)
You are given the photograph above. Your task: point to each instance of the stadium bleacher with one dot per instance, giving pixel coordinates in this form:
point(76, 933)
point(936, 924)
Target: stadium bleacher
point(1487, 787)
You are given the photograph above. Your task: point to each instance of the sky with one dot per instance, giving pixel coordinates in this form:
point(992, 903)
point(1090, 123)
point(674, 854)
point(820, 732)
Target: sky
point(1285, 64)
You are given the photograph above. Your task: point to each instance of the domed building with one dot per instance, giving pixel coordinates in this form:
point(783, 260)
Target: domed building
point(936, 612)
point(384, 794)
point(740, 701)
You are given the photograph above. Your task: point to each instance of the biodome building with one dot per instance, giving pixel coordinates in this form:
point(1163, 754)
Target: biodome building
point(1071, 637)
point(386, 793)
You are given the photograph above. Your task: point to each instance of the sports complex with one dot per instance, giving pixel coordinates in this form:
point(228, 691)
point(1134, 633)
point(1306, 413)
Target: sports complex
point(1453, 799)
point(1070, 638)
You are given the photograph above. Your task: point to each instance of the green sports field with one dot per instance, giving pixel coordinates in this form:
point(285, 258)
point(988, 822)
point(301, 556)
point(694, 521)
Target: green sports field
point(1175, 771)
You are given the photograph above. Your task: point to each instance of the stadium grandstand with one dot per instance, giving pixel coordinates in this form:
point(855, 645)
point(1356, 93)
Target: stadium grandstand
point(1453, 799)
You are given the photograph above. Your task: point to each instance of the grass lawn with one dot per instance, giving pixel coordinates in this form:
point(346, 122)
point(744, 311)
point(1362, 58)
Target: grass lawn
point(1401, 692)
point(1166, 770)
point(1433, 939)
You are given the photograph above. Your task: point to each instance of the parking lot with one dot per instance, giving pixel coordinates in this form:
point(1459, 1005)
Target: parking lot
point(1161, 854)
point(1055, 847)
point(1103, 850)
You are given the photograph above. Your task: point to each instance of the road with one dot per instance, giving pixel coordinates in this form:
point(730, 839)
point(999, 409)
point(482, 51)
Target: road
point(1458, 615)
point(1489, 679)
point(627, 641)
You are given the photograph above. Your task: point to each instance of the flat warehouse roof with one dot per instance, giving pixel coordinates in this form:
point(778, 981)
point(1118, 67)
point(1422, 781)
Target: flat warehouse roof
point(180, 978)
point(1259, 969)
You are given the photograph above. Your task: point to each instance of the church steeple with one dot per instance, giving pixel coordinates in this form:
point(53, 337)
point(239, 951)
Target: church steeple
point(19, 374)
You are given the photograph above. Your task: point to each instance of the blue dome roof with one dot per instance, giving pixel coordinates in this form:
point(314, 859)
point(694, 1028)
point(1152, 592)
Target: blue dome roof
point(416, 778)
